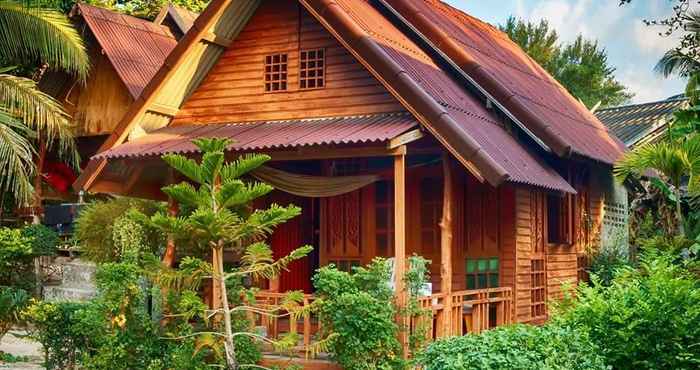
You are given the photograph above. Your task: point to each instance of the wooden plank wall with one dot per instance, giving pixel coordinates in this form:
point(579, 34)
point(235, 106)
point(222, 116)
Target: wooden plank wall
point(234, 89)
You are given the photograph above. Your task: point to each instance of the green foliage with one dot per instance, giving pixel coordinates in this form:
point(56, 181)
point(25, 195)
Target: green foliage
point(359, 310)
point(609, 258)
point(581, 66)
point(550, 347)
point(45, 241)
point(95, 229)
point(646, 319)
point(12, 302)
point(16, 256)
point(53, 325)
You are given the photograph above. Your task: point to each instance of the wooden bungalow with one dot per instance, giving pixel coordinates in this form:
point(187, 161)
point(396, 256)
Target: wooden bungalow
point(125, 52)
point(400, 127)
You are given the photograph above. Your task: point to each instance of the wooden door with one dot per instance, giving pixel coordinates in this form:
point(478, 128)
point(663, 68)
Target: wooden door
point(342, 231)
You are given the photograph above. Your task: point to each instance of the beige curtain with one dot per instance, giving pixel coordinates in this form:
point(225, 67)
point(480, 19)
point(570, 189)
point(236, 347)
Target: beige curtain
point(312, 186)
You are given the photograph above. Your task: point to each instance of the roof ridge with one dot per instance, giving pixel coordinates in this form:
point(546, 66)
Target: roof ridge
point(619, 107)
point(145, 21)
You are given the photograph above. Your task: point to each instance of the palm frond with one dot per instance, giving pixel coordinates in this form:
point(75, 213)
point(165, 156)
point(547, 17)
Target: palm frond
point(665, 157)
point(677, 62)
point(38, 110)
point(16, 158)
point(32, 33)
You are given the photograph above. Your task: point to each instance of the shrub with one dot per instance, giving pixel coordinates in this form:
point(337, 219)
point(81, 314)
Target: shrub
point(53, 325)
point(515, 347)
point(358, 309)
point(95, 226)
point(610, 257)
point(16, 256)
point(12, 301)
point(647, 318)
point(45, 241)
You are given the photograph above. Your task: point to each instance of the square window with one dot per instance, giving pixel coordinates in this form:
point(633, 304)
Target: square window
point(275, 72)
point(311, 69)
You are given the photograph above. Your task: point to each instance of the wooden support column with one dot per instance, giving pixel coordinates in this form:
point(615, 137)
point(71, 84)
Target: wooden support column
point(400, 245)
point(169, 255)
point(446, 247)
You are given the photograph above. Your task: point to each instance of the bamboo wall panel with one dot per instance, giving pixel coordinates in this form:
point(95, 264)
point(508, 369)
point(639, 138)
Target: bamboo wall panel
point(99, 105)
point(234, 89)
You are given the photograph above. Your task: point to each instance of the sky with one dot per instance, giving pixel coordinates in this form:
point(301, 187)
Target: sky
point(633, 48)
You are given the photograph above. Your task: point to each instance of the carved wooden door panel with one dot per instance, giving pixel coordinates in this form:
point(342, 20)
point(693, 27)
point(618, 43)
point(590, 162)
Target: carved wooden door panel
point(342, 223)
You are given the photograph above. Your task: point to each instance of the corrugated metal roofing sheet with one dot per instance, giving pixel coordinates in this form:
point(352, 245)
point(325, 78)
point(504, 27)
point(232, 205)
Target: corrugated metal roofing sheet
point(632, 123)
point(522, 80)
point(269, 135)
point(135, 47)
point(472, 117)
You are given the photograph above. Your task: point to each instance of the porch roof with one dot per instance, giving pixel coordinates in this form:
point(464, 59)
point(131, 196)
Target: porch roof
point(268, 134)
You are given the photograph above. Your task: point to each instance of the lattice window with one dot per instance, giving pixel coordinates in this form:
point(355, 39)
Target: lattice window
point(482, 273)
point(582, 268)
point(275, 72)
point(430, 213)
point(384, 216)
point(538, 288)
point(312, 65)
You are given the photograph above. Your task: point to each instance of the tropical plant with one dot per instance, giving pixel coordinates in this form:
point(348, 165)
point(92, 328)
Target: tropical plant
point(581, 66)
point(674, 159)
point(12, 302)
point(44, 242)
point(519, 346)
point(221, 219)
point(27, 115)
point(358, 310)
point(646, 319)
point(16, 259)
point(103, 228)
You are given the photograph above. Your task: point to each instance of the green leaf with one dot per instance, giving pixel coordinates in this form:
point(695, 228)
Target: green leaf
point(243, 165)
point(186, 166)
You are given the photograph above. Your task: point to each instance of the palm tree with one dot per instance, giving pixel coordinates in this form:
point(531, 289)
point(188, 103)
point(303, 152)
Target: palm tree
point(683, 61)
point(674, 159)
point(28, 116)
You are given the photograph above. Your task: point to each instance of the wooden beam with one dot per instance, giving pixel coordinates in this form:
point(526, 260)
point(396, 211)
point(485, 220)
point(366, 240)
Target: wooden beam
point(400, 245)
point(217, 40)
point(163, 109)
point(332, 153)
point(133, 178)
point(446, 246)
point(173, 208)
point(405, 138)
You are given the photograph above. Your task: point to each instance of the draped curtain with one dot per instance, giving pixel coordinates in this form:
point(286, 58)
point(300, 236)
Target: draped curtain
point(312, 186)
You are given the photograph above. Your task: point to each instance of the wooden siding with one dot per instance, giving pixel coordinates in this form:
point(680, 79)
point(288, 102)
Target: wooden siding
point(234, 89)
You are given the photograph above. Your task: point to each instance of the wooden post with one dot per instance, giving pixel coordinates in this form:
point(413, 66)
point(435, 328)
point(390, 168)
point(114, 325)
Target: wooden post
point(169, 255)
point(446, 246)
point(400, 245)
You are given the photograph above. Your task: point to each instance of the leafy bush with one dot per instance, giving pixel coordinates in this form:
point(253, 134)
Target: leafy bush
point(358, 309)
point(45, 241)
point(610, 257)
point(12, 301)
point(16, 259)
point(54, 326)
point(515, 347)
point(95, 228)
point(647, 318)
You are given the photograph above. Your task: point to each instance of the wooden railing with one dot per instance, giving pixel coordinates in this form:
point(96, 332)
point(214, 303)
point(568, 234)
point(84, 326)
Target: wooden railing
point(281, 322)
point(471, 311)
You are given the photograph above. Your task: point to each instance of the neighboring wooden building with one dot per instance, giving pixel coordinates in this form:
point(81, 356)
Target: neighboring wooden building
point(638, 124)
point(445, 120)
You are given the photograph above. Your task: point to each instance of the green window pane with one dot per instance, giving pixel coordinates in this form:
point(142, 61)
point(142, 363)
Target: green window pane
point(493, 280)
point(483, 265)
point(471, 282)
point(493, 264)
point(471, 265)
point(482, 281)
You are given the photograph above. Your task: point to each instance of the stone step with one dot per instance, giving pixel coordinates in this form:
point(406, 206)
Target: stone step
point(78, 274)
point(63, 294)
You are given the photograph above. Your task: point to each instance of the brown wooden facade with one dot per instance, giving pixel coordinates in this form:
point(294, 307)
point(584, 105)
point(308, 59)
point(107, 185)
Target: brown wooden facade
point(500, 253)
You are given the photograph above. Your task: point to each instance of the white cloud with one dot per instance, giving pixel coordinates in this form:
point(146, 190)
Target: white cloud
point(648, 86)
point(649, 41)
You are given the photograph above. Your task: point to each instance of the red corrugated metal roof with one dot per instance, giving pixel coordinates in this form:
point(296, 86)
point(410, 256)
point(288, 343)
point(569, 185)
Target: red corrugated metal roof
point(269, 135)
point(470, 115)
point(135, 47)
point(510, 74)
